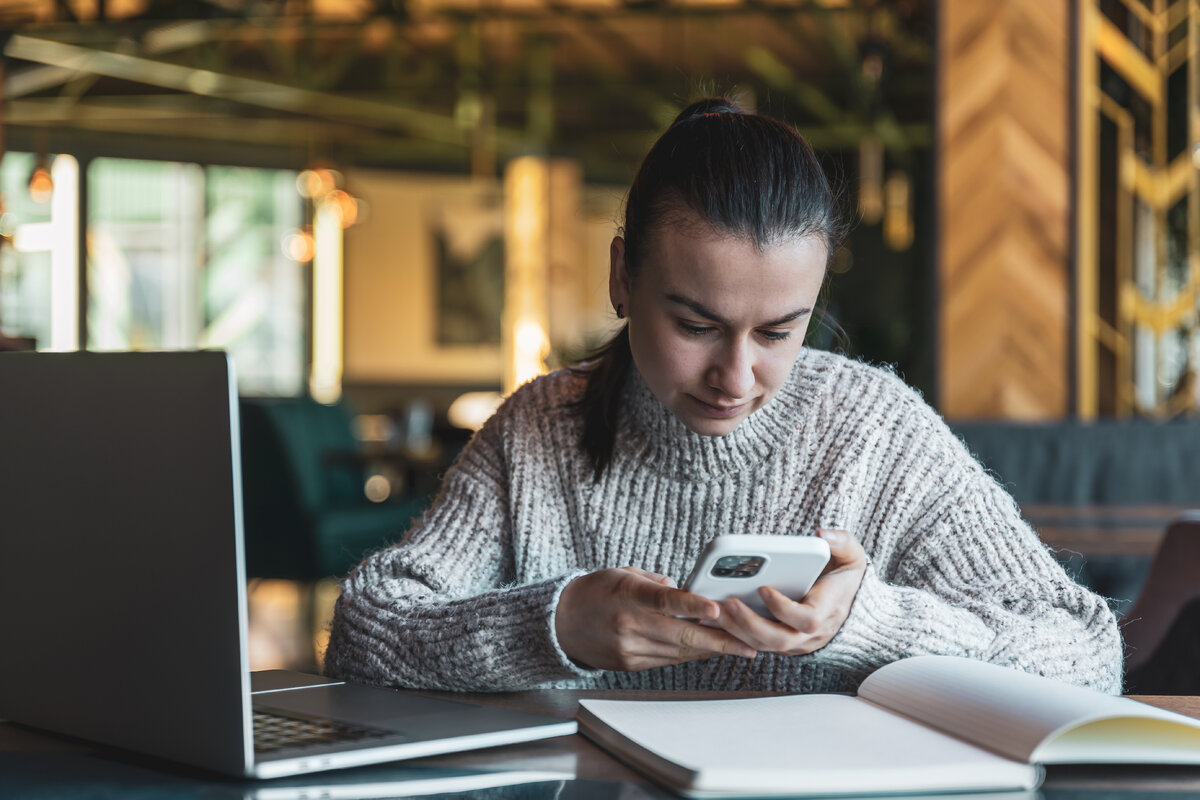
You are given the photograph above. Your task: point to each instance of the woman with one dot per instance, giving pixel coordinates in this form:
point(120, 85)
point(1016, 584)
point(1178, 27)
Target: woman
point(551, 555)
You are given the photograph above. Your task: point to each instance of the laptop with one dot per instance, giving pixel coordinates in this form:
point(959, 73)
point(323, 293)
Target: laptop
point(122, 580)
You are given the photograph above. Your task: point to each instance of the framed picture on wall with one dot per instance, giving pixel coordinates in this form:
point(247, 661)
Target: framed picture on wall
point(468, 251)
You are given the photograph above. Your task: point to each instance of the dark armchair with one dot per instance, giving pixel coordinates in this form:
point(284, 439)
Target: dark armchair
point(303, 473)
point(1162, 632)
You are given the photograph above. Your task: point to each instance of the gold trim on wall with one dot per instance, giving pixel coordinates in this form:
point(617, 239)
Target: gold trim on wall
point(1148, 377)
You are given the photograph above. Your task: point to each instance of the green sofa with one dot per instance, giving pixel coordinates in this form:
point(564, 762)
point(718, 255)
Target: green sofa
point(303, 473)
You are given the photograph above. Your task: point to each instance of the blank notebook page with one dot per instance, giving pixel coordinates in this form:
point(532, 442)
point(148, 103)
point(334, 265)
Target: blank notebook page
point(830, 741)
point(1018, 714)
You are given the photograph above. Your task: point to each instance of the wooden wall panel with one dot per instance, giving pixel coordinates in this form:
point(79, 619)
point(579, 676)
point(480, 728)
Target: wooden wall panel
point(1004, 208)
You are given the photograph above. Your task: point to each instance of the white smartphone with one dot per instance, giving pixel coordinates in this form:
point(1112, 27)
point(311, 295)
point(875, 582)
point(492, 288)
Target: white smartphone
point(738, 564)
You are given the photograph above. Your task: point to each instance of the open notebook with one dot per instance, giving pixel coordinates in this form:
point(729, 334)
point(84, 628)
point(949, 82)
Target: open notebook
point(923, 724)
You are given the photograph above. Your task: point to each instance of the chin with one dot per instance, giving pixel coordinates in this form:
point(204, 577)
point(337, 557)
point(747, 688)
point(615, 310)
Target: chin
point(706, 426)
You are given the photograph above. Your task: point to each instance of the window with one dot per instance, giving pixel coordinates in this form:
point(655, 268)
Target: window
point(179, 256)
point(38, 277)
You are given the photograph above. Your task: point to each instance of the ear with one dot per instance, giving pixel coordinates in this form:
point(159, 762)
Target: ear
point(619, 284)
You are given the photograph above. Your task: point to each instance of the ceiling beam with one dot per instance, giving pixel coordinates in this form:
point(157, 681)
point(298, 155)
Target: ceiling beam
point(161, 40)
point(250, 91)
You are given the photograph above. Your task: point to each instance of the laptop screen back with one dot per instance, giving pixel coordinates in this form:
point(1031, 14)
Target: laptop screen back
point(121, 571)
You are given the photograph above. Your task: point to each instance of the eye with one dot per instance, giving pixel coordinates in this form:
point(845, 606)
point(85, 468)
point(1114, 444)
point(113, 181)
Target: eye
point(773, 335)
point(694, 330)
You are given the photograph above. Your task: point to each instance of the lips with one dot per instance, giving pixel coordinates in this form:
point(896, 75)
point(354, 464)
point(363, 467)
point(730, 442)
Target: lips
point(718, 411)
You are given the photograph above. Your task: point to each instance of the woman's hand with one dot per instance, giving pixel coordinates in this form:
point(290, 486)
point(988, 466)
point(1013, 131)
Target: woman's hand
point(808, 625)
point(626, 619)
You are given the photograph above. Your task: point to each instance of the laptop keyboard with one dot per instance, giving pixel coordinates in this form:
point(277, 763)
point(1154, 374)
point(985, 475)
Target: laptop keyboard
point(276, 731)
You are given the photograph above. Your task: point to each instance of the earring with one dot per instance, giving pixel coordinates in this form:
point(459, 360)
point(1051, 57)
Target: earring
point(620, 311)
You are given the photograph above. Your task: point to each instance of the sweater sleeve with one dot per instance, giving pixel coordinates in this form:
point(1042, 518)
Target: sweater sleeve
point(955, 570)
point(978, 583)
point(439, 610)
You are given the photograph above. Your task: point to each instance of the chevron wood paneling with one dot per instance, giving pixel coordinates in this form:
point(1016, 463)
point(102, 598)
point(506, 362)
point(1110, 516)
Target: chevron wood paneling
point(1004, 208)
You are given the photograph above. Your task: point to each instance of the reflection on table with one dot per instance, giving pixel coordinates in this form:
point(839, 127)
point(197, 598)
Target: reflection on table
point(39, 765)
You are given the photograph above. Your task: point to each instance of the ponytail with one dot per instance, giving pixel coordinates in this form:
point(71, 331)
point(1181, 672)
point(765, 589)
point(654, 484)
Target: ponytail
point(601, 401)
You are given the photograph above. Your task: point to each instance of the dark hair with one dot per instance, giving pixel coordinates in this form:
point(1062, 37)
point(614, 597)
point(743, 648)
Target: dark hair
point(745, 175)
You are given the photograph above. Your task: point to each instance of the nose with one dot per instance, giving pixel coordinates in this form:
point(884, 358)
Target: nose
point(732, 372)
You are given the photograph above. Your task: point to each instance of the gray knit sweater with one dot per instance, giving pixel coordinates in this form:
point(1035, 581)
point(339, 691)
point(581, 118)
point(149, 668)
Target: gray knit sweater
point(467, 600)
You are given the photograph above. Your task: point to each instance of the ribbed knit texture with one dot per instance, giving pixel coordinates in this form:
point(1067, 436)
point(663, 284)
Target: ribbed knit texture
point(467, 600)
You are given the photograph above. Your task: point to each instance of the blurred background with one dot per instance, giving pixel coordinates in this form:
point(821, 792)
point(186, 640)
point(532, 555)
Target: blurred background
point(391, 212)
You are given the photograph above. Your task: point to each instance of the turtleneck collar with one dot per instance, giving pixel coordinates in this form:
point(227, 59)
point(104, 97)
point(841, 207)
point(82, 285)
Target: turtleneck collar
point(651, 434)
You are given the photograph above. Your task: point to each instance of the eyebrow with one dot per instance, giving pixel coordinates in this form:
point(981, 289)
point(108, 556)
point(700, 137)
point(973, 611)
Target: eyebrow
point(717, 318)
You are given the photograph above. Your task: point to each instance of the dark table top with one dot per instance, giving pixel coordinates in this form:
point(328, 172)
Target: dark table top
point(39, 765)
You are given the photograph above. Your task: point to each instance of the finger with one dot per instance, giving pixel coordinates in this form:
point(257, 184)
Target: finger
point(743, 622)
point(665, 580)
point(831, 590)
point(686, 641)
point(662, 641)
point(844, 550)
point(673, 602)
point(802, 617)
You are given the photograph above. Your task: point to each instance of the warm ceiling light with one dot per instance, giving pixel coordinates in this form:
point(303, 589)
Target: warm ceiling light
point(299, 246)
point(345, 206)
point(41, 185)
point(318, 182)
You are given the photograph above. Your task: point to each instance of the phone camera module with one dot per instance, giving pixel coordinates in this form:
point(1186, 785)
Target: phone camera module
point(738, 566)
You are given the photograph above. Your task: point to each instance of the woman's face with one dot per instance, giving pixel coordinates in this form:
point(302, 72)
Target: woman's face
point(715, 325)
